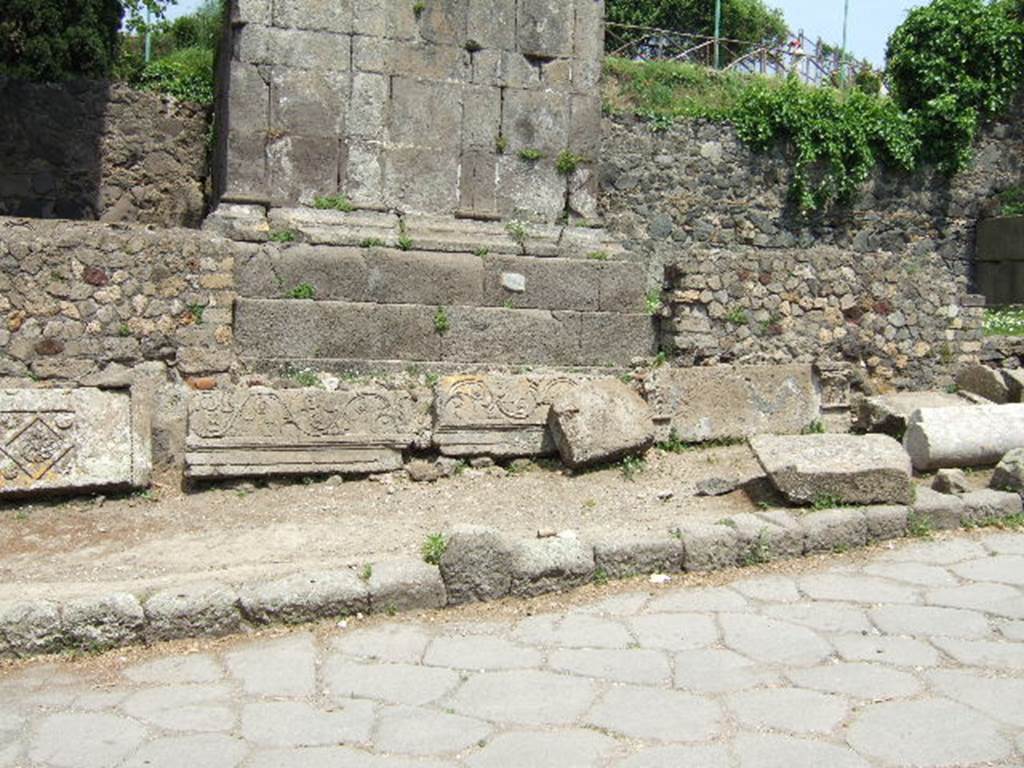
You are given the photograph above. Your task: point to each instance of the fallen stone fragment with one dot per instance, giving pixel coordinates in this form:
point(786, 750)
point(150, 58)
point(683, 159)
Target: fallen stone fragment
point(101, 623)
point(709, 547)
point(622, 558)
point(834, 530)
point(975, 436)
point(30, 628)
point(717, 486)
point(421, 471)
point(405, 585)
point(476, 565)
point(600, 422)
point(836, 469)
point(890, 414)
point(539, 566)
point(942, 511)
point(305, 597)
point(1009, 474)
point(206, 609)
point(987, 506)
point(951, 481)
point(984, 381)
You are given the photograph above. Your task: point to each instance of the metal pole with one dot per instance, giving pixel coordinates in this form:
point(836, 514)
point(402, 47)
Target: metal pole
point(149, 37)
point(842, 64)
point(718, 33)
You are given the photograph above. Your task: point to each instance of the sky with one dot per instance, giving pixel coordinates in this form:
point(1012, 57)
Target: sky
point(871, 21)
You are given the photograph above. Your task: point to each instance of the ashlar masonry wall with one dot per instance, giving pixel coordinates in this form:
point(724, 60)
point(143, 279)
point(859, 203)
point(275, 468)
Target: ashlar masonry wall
point(445, 107)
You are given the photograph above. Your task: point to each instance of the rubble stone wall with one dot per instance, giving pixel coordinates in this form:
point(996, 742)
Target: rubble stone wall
point(99, 150)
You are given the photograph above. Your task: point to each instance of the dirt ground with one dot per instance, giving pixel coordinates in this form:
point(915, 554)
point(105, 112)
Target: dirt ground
point(60, 549)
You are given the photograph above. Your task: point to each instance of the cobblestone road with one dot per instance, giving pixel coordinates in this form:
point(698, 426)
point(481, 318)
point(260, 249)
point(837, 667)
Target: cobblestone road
point(914, 658)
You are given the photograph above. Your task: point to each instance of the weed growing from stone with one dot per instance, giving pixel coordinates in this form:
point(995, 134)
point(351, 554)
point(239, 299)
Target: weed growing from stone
point(530, 155)
point(418, 8)
point(304, 377)
point(196, 311)
point(500, 144)
point(674, 444)
point(826, 501)
point(760, 551)
point(737, 316)
point(303, 291)
point(434, 548)
point(632, 466)
point(481, 252)
point(372, 242)
point(404, 241)
point(568, 162)
point(659, 359)
point(1010, 523)
point(442, 323)
point(282, 236)
point(367, 572)
point(518, 232)
point(1004, 321)
point(919, 526)
point(598, 255)
point(123, 330)
point(333, 203)
point(652, 302)
point(473, 46)
point(816, 427)
point(600, 577)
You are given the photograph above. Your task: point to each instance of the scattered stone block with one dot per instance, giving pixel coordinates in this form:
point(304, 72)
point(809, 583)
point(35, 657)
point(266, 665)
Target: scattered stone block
point(709, 547)
point(717, 486)
point(988, 505)
point(30, 628)
point(975, 436)
point(733, 402)
point(1009, 474)
point(886, 522)
point(984, 381)
point(834, 530)
point(101, 623)
point(501, 416)
point(942, 511)
point(406, 585)
point(841, 469)
point(890, 414)
point(762, 540)
point(600, 422)
point(622, 558)
point(476, 565)
point(422, 471)
point(259, 431)
point(305, 597)
point(206, 609)
point(539, 566)
point(950, 481)
point(70, 439)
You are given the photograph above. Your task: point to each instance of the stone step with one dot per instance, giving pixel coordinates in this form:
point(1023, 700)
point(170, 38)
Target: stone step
point(392, 276)
point(294, 330)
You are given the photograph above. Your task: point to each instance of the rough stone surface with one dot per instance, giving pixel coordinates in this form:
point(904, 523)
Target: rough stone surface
point(103, 623)
point(1009, 474)
point(985, 382)
point(942, 511)
point(405, 585)
point(476, 565)
point(600, 422)
point(206, 609)
point(30, 628)
point(835, 530)
point(963, 437)
point(988, 506)
point(951, 481)
point(549, 565)
point(305, 597)
point(733, 402)
point(709, 547)
point(621, 558)
point(868, 469)
point(891, 413)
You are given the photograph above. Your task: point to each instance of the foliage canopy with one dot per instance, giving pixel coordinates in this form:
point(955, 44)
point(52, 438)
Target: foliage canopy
point(746, 20)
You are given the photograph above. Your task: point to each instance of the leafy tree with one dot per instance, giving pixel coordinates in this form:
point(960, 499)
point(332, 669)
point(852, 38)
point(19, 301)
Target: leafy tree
point(746, 20)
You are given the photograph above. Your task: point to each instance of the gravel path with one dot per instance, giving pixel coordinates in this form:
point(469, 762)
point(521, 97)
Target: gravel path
point(913, 656)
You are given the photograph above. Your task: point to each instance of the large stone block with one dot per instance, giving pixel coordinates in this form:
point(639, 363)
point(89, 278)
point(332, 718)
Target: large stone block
point(259, 431)
point(491, 25)
point(476, 565)
point(540, 566)
point(971, 436)
point(436, 174)
point(620, 558)
point(610, 340)
point(1009, 474)
point(308, 103)
point(549, 283)
point(984, 381)
point(728, 403)
point(302, 168)
point(545, 28)
point(839, 469)
point(890, 414)
point(317, 15)
point(503, 416)
point(485, 335)
point(305, 597)
point(599, 422)
point(64, 440)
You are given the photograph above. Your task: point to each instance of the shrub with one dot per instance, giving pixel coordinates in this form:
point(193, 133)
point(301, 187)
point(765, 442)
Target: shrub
point(186, 75)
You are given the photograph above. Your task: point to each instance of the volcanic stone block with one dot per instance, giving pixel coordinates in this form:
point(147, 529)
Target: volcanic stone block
point(478, 184)
point(709, 547)
point(1009, 474)
point(886, 522)
point(428, 61)
point(302, 168)
point(107, 622)
point(205, 609)
point(622, 558)
point(30, 628)
point(259, 431)
point(425, 114)
point(496, 415)
point(444, 23)
point(529, 190)
point(303, 49)
point(942, 511)
point(615, 340)
point(486, 335)
point(728, 403)
point(318, 15)
point(600, 422)
point(843, 469)
point(305, 597)
point(890, 414)
point(419, 277)
point(834, 530)
point(762, 540)
point(491, 25)
point(406, 585)
point(971, 436)
point(545, 28)
point(550, 283)
point(476, 565)
point(336, 227)
point(989, 505)
point(481, 118)
point(984, 381)
point(368, 106)
point(308, 103)
point(436, 171)
point(59, 440)
point(539, 566)
point(1014, 385)
point(536, 120)
point(951, 481)
point(589, 46)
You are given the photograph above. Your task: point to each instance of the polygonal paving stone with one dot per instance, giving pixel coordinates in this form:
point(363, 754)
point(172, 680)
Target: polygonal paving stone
point(777, 751)
point(913, 573)
point(674, 757)
point(335, 757)
point(997, 599)
point(1005, 543)
point(196, 708)
point(176, 670)
point(936, 552)
point(773, 641)
point(1004, 569)
point(209, 750)
point(1011, 630)
point(415, 731)
point(851, 588)
point(10, 755)
point(576, 748)
point(480, 652)
point(394, 683)
point(85, 740)
point(396, 643)
point(824, 617)
point(861, 680)
point(930, 621)
point(771, 589)
point(674, 631)
point(283, 667)
point(652, 713)
point(618, 605)
point(636, 665)
point(898, 651)
point(526, 697)
point(919, 734)
point(999, 698)
point(990, 654)
point(717, 670)
point(708, 599)
point(297, 724)
point(788, 709)
point(573, 631)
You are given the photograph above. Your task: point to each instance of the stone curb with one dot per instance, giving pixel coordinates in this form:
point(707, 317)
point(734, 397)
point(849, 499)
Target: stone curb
point(479, 565)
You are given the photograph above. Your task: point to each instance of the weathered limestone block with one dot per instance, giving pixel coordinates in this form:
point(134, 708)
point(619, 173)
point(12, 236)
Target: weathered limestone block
point(984, 381)
point(1009, 474)
point(842, 469)
point(886, 522)
point(305, 597)
point(405, 585)
point(834, 530)
point(727, 402)
point(503, 416)
point(336, 227)
point(942, 511)
point(988, 505)
point(889, 414)
point(476, 565)
point(540, 566)
point(599, 422)
point(964, 437)
point(709, 547)
point(622, 558)
point(100, 623)
point(67, 439)
point(30, 628)
point(206, 609)
point(250, 432)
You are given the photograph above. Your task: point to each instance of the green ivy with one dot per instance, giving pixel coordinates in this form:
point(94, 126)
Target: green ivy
point(186, 75)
